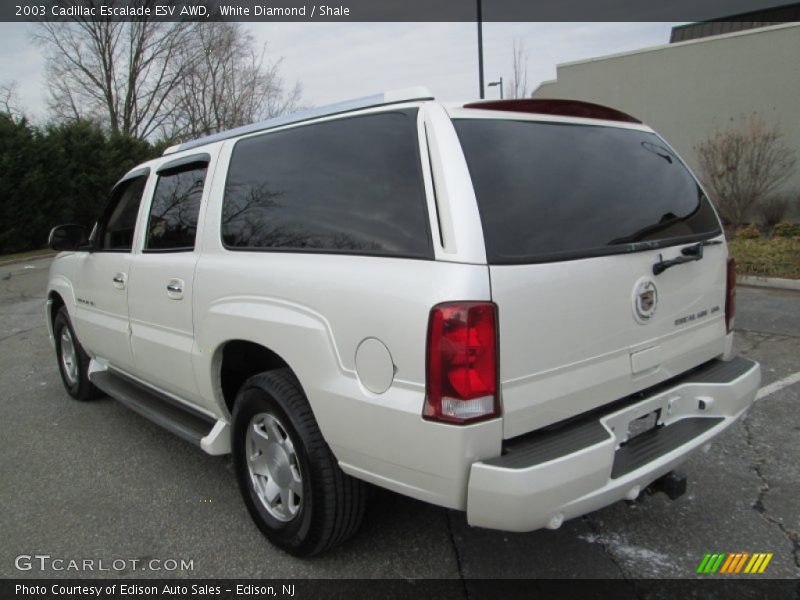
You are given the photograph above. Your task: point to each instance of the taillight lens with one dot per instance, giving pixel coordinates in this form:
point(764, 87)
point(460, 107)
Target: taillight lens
point(730, 295)
point(462, 363)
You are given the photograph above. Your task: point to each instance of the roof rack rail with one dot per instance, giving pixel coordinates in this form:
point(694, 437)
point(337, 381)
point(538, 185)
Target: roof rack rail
point(553, 106)
point(393, 97)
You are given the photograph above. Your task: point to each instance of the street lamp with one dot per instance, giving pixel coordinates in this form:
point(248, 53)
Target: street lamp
point(480, 48)
point(500, 83)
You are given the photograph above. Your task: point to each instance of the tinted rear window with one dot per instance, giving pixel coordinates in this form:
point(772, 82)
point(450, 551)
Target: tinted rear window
point(551, 191)
point(350, 185)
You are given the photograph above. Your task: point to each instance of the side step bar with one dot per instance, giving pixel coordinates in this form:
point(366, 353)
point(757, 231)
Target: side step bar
point(182, 421)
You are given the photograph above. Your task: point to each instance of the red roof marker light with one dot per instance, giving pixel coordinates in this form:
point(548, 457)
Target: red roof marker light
point(552, 106)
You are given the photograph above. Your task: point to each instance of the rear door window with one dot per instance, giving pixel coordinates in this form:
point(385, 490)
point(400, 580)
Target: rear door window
point(172, 223)
point(553, 191)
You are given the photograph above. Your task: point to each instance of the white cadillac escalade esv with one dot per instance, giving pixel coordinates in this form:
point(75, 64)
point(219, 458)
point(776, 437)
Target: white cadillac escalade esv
point(520, 309)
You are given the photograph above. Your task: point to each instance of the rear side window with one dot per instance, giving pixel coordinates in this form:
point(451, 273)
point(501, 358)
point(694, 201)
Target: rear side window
point(172, 223)
point(351, 185)
point(552, 191)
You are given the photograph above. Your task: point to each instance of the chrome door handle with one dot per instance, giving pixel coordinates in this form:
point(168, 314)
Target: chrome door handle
point(118, 279)
point(175, 289)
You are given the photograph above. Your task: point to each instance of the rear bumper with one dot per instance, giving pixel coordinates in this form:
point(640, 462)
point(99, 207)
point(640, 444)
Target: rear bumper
point(547, 477)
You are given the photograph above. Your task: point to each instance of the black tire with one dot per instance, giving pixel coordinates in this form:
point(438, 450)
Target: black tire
point(332, 503)
point(81, 388)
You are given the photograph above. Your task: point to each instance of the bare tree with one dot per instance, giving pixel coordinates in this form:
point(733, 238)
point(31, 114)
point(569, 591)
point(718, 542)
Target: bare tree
point(120, 74)
point(230, 82)
point(744, 165)
point(518, 86)
point(9, 100)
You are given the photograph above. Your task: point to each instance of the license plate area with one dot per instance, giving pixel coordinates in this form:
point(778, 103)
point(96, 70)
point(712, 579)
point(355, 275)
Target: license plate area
point(658, 409)
point(641, 425)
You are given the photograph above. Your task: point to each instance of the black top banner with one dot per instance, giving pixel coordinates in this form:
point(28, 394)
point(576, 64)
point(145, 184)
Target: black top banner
point(378, 10)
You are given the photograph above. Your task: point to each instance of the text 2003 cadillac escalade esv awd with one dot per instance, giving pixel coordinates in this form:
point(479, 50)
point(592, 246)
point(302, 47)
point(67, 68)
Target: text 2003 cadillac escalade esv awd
point(520, 309)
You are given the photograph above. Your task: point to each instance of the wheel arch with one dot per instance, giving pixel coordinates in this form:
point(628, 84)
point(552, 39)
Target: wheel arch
point(237, 360)
point(59, 293)
point(54, 304)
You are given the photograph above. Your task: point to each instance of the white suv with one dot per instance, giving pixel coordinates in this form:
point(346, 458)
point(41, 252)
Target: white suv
point(520, 309)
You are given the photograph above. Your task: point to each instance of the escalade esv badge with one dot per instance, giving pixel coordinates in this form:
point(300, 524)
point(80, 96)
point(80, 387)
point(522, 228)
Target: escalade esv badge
point(645, 299)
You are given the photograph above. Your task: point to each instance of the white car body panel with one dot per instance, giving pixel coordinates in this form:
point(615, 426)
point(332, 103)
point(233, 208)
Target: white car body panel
point(101, 308)
point(563, 353)
point(162, 321)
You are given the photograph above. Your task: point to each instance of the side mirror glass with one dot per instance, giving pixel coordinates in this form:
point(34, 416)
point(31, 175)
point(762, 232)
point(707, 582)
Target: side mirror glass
point(67, 237)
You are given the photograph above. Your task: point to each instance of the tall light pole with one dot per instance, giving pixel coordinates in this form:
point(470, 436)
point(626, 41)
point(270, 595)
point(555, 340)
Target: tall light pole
point(500, 83)
point(480, 48)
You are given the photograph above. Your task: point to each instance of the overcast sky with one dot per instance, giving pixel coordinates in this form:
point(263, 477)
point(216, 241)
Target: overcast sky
point(336, 61)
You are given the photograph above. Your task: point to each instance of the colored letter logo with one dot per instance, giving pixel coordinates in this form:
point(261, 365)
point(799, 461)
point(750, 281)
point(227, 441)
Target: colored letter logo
point(734, 563)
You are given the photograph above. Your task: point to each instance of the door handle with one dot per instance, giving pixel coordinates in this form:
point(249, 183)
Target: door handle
point(118, 279)
point(175, 289)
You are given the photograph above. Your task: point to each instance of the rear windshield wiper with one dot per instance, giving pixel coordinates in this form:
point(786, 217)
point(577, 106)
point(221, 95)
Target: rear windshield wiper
point(689, 254)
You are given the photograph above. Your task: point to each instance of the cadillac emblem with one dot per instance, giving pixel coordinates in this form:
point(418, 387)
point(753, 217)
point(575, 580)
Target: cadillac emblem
point(645, 299)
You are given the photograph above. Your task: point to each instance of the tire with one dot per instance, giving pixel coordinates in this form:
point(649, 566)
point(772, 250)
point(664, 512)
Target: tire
point(73, 362)
point(291, 483)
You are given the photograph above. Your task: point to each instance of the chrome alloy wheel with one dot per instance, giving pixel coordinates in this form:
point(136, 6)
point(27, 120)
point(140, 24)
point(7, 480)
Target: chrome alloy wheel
point(274, 467)
point(69, 357)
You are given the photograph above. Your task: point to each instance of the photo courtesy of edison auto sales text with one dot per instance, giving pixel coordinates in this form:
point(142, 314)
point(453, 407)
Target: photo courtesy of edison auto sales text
point(163, 590)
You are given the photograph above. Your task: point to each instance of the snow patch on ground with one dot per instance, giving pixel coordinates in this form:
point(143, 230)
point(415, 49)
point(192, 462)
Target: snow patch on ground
point(643, 558)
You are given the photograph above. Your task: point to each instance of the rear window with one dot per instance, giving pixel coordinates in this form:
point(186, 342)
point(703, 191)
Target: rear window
point(552, 191)
point(349, 186)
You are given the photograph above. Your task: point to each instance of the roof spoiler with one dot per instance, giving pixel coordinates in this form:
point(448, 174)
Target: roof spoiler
point(553, 106)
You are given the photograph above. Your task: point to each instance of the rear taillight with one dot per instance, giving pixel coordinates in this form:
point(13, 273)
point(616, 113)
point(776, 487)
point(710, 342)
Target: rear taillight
point(462, 363)
point(730, 295)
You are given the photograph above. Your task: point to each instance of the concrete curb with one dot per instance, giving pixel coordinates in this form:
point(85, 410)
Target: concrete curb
point(769, 282)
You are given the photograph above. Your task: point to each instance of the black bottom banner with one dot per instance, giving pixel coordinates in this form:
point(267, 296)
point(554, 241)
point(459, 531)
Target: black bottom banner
point(382, 589)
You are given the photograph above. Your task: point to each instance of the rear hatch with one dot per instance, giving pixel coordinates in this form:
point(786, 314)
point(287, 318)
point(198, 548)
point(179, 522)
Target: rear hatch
point(575, 216)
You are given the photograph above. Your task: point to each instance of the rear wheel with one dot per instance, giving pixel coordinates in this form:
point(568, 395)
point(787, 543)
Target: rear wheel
point(73, 362)
point(290, 480)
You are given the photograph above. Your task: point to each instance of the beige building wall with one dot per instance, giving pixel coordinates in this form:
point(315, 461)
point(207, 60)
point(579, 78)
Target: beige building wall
point(686, 90)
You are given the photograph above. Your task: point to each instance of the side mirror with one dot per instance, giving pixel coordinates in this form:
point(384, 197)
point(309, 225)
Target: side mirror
point(67, 237)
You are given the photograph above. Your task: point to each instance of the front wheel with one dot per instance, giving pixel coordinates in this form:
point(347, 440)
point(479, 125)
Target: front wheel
point(73, 362)
point(290, 480)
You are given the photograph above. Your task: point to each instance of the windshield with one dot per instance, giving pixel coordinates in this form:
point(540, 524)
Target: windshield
point(554, 191)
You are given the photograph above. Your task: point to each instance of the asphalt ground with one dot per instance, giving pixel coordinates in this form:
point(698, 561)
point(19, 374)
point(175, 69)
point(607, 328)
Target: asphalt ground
point(97, 481)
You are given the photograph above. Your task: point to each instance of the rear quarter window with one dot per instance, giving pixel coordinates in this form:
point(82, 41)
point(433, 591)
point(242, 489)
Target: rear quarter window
point(553, 191)
point(352, 185)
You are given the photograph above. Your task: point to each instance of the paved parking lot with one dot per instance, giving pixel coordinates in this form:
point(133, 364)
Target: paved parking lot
point(95, 480)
